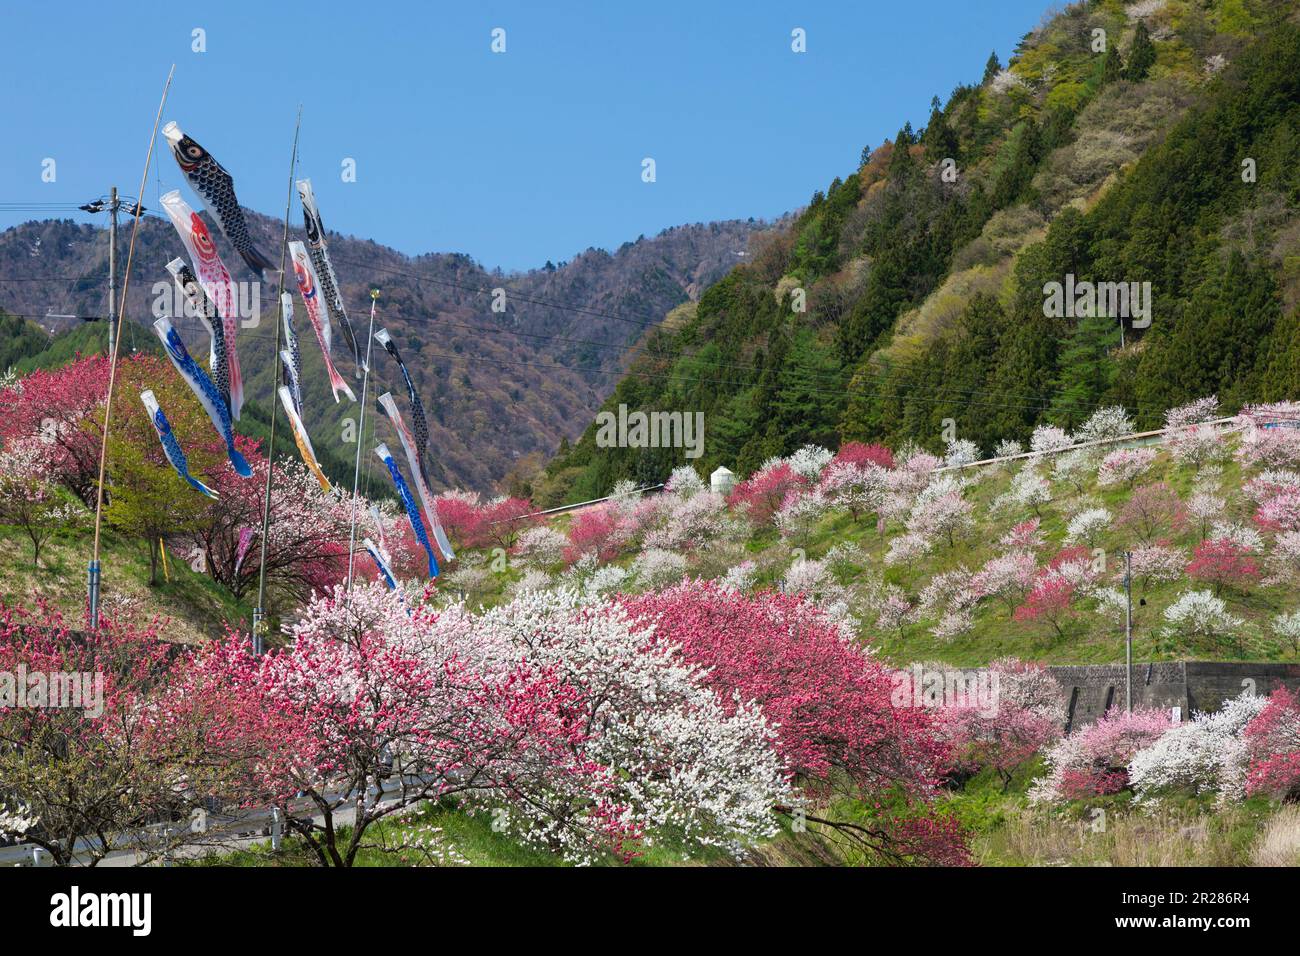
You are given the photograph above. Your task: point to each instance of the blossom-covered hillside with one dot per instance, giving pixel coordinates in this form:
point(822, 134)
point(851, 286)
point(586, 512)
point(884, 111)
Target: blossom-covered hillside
point(929, 558)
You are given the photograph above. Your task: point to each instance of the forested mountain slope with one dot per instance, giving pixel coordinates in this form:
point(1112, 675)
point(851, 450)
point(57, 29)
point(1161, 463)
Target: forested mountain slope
point(1141, 143)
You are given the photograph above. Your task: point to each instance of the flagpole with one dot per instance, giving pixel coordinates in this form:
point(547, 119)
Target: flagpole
point(92, 572)
point(361, 435)
point(259, 612)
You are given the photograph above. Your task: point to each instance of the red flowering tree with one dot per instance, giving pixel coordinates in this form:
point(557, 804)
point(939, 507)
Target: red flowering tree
point(1273, 741)
point(856, 453)
point(762, 494)
point(500, 521)
point(838, 727)
point(81, 771)
point(594, 531)
point(1222, 563)
point(1050, 602)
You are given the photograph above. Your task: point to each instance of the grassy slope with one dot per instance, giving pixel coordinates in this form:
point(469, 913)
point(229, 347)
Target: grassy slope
point(193, 606)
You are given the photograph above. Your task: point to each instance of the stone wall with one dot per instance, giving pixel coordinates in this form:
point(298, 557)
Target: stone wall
point(1191, 686)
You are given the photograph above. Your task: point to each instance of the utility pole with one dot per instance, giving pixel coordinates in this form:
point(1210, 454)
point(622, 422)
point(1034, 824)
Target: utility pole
point(113, 206)
point(1128, 631)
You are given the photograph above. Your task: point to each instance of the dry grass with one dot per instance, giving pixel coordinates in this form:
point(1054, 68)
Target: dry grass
point(1128, 838)
point(1279, 844)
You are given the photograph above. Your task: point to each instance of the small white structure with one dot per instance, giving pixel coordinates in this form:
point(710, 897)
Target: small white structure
point(722, 481)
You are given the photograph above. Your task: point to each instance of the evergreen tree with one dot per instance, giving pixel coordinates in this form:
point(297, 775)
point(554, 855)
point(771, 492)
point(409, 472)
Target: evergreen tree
point(1087, 371)
point(993, 67)
point(1141, 56)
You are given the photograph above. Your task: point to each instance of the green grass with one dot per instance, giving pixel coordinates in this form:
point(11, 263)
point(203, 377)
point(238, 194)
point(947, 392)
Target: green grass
point(195, 606)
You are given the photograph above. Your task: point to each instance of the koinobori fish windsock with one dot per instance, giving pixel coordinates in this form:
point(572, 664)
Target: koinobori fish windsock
point(245, 542)
point(207, 314)
point(204, 390)
point(171, 447)
point(217, 190)
point(378, 557)
point(291, 354)
point(309, 288)
point(329, 280)
point(389, 406)
point(412, 510)
point(419, 424)
point(215, 279)
point(301, 440)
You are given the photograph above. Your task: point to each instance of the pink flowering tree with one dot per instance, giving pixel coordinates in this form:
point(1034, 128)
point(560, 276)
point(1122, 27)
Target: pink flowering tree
point(1094, 761)
point(1152, 511)
point(461, 514)
point(1029, 714)
point(594, 531)
point(30, 499)
point(1125, 466)
point(63, 408)
point(1051, 602)
point(503, 519)
point(837, 724)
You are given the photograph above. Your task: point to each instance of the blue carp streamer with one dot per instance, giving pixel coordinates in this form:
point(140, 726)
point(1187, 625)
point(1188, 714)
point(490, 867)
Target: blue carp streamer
point(204, 390)
point(171, 447)
point(412, 509)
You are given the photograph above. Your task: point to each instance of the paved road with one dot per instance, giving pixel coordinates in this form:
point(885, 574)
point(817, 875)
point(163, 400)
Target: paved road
point(224, 834)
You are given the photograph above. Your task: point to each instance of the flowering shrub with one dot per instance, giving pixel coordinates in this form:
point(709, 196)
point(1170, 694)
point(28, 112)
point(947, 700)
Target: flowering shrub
point(1199, 614)
point(1206, 755)
point(1094, 761)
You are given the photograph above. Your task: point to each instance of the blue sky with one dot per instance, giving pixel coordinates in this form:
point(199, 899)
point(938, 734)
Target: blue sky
point(513, 158)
